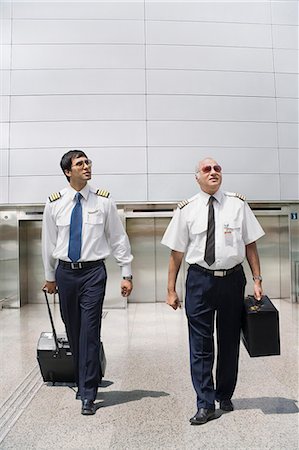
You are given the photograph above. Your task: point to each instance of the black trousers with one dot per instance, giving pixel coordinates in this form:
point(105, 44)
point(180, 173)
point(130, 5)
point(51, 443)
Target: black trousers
point(205, 295)
point(81, 295)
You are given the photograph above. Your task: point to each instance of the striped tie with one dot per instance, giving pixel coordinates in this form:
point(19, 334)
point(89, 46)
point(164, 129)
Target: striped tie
point(74, 251)
point(210, 244)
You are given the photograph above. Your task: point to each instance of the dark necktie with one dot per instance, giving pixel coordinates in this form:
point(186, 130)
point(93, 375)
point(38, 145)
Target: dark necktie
point(210, 244)
point(74, 251)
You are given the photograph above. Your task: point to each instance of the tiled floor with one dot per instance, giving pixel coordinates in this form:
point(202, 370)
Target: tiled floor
point(147, 397)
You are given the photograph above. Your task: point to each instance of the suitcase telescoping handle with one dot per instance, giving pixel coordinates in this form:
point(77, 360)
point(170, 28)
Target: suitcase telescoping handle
point(52, 323)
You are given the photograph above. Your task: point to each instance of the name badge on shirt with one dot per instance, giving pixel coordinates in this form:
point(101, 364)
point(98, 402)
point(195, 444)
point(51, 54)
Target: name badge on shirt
point(228, 234)
point(227, 229)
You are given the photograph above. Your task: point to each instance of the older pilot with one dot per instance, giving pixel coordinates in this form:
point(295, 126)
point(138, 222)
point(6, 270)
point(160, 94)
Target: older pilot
point(216, 230)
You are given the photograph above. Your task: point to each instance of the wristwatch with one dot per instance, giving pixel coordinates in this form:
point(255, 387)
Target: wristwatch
point(257, 277)
point(129, 278)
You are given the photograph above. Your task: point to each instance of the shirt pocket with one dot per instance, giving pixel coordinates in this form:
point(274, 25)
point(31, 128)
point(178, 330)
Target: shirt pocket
point(94, 224)
point(198, 228)
point(198, 231)
point(95, 218)
point(63, 226)
point(63, 222)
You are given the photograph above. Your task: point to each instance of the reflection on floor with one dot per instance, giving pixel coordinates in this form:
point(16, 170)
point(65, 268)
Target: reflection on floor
point(146, 398)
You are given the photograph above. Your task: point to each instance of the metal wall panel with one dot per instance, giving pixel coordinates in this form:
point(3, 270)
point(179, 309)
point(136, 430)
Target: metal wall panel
point(269, 252)
point(162, 254)
point(141, 233)
point(161, 259)
point(294, 243)
point(9, 259)
point(150, 264)
point(284, 257)
point(113, 298)
point(32, 275)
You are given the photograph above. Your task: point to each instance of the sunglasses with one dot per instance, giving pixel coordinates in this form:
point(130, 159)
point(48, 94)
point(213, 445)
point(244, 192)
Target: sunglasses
point(81, 163)
point(207, 169)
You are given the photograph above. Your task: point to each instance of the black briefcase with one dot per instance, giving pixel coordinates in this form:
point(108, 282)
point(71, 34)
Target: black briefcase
point(260, 327)
point(55, 357)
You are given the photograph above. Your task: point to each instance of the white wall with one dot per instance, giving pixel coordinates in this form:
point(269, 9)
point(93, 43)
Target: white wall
point(147, 89)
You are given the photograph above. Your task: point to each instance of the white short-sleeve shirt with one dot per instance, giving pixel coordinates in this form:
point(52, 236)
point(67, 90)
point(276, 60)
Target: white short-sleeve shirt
point(235, 227)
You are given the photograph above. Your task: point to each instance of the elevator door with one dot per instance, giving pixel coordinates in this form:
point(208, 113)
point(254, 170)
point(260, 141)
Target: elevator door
point(32, 275)
point(274, 253)
point(150, 263)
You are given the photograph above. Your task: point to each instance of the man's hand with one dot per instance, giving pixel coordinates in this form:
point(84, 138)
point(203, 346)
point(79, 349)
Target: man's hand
point(126, 288)
point(50, 287)
point(173, 300)
point(257, 290)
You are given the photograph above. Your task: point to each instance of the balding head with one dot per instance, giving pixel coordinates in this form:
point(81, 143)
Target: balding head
point(208, 175)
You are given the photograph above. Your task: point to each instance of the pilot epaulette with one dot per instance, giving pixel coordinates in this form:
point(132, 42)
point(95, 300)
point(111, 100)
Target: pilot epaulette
point(103, 193)
point(183, 203)
point(55, 196)
point(235, 194)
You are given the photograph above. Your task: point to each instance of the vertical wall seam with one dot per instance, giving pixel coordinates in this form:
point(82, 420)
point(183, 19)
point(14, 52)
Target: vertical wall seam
point(277, 137)
point(9, 105)
point(145, 101)
point(275, 97)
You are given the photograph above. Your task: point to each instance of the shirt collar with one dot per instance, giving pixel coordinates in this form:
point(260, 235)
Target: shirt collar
point(84, 192)
point(205, 197)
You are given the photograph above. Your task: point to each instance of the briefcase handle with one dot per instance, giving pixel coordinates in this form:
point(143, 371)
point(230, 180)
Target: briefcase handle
point(255, 305)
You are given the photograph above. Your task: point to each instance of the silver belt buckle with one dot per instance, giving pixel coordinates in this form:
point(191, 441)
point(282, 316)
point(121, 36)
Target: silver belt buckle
point(76, 265)
point(219, 273)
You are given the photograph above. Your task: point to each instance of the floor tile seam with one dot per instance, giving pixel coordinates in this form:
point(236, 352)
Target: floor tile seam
point(15, 414)
point(17, 401)
point(20, 388)
point(17, 406)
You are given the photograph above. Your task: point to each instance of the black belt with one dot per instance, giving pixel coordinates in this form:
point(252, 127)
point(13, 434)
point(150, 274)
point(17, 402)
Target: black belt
point(216, 273)
point(80, 265)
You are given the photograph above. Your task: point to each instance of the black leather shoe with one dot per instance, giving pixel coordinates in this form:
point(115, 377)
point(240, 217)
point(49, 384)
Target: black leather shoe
point(78, 396)
point(88, 408)
point(202, 416)
point(226, 405)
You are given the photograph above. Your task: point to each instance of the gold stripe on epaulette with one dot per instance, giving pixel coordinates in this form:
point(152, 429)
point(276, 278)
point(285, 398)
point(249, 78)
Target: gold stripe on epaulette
point(236, 194)
point(103, 193)
point(183, 203)
point(240, 196)
point(55, 196)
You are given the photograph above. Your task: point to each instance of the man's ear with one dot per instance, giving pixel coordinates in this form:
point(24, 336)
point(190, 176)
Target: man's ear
point(67, 172)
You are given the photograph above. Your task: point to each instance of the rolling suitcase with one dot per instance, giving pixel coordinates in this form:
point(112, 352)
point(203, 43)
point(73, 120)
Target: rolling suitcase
point(55, 357)
point(260, 327)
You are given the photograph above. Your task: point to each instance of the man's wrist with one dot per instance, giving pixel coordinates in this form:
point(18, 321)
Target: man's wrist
point(171, 290)
point(128, 278)
point(257, 278)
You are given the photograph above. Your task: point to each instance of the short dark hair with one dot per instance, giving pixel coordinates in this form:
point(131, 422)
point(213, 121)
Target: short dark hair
point(66, 160)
